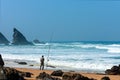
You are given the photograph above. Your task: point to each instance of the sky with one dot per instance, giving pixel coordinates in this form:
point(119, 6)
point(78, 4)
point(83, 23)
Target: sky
point(61, 20)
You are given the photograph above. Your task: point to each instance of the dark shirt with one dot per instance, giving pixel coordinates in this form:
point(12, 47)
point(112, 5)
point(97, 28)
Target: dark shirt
point(42, 61)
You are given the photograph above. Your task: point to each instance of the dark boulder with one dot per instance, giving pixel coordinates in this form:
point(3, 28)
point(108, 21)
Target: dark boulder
point(105, 78)
point(3, 39)
point(57, 73)
point(36, 41)
point(19, 38)
point(74, 76)
point(115, 70)
point(22, 63)
point(28, 74)
point(67, 76)
point(45, 76)
point(13, 74)
point(108, 71)
point(31, 65)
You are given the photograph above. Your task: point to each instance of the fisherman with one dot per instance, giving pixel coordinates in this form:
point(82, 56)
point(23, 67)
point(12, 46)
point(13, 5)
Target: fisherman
point(42, 63)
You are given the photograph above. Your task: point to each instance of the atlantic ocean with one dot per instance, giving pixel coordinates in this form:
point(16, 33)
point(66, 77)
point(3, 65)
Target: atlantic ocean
point(88, 56)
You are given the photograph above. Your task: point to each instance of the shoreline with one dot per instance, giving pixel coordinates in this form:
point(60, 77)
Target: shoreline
point(34, 65)
point(36, 72)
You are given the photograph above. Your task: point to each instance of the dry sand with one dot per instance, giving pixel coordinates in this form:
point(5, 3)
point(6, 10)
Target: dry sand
point(97, 76)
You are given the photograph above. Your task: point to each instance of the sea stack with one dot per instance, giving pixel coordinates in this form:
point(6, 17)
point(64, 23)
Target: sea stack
point(36, 41)
point(3, 39)
point(19, 38)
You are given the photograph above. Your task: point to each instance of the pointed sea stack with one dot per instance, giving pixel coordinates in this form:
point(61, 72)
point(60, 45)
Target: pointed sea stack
point(19, 39)
point(3, 39)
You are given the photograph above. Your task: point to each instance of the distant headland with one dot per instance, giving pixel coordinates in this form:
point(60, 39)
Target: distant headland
point(18, 39)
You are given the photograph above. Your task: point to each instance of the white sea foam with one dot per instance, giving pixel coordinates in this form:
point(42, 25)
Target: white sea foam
point(71, 56)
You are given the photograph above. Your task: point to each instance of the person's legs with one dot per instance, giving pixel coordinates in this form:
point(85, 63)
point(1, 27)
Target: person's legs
point(42, 67)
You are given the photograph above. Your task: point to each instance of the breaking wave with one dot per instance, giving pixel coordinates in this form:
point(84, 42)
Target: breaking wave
point(66, 55)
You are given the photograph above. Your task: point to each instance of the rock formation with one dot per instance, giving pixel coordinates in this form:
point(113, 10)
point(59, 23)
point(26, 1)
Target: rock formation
point(64, 76)
point(36, 41)
point(57, 73)
point(13, 74)
point(45, 76)
point(19, 38)
point(21, 63)
point(3, 39)
point(74, 76)
point(115, 70)
point(105, 78)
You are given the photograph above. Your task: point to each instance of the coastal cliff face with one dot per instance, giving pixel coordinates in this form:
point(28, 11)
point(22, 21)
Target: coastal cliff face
point(3, 39)
point(19, 38)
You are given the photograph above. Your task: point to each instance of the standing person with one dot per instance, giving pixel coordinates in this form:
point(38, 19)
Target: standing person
point(42, 63)
point(1, 61)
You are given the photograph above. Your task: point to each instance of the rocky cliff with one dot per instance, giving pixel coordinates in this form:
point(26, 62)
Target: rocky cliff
point(19, 38)
point(3, 39)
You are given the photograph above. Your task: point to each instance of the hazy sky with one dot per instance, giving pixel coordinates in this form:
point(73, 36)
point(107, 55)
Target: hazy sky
point(66, 20)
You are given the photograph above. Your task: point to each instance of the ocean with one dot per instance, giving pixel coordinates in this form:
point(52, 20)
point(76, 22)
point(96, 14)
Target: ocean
point(88, 56)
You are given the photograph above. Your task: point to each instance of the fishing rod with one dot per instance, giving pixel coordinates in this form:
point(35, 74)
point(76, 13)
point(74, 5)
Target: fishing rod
point(49, 47)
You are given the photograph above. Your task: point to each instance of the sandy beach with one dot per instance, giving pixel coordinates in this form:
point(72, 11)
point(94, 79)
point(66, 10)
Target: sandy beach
point(80, 38)
point(96, 76)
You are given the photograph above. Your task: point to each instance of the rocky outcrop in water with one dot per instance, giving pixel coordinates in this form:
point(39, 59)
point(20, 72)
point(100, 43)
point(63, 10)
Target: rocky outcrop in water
point(115, 70)
point(19, 38)
point(3, 39)
point(21, 63)
point(36, 41)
